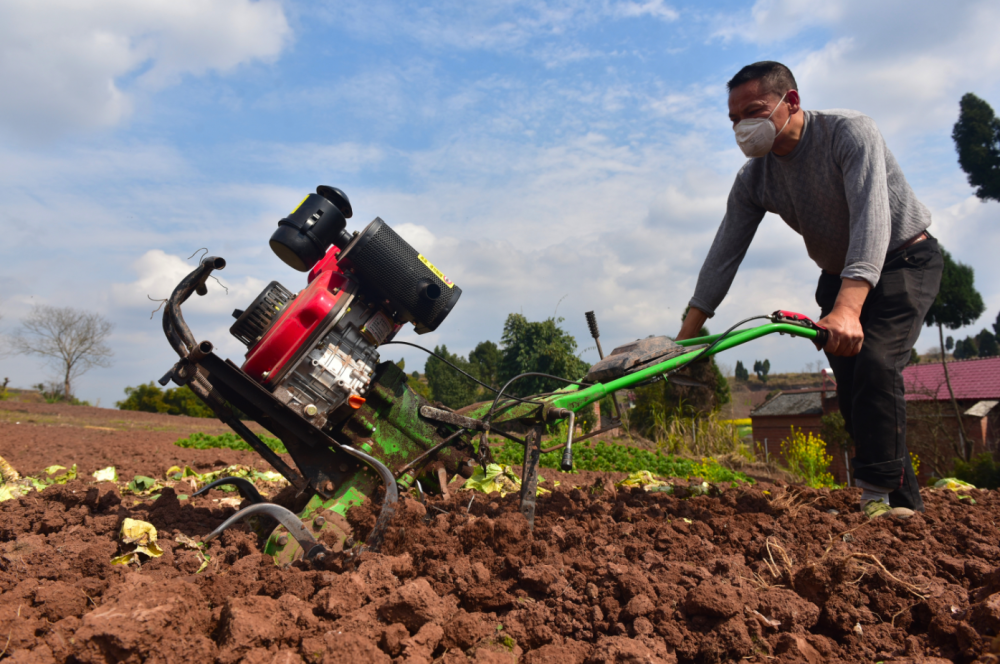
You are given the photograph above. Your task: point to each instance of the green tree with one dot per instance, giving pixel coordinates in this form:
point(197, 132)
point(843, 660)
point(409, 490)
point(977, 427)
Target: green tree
point(420, 386)
point(761, 369)
point(485, 360)
point(741, 372)
point(966, 349)
point(447, 385)
point(958, 304)
point(987, 343)
point(175, 401)
point(147, 398)
point(541, 346)
point(914, 356)
point(996, 326)
point(949, 343)
point(977, 139)
point(183, 401)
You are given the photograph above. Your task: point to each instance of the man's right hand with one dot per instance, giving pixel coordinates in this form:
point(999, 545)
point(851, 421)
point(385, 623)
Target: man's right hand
point(693, 322)
point(843, 322)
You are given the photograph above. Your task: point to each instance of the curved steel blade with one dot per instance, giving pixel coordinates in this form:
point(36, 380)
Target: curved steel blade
point(310, 547)
point(243, 485)
point(374, 541)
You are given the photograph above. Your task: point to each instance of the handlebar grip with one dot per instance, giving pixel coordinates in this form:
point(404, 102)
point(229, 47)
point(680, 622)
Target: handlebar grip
point(822, 336)
point(567, 460)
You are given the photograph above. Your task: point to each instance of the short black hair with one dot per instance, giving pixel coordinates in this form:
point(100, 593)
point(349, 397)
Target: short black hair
point(775, 77)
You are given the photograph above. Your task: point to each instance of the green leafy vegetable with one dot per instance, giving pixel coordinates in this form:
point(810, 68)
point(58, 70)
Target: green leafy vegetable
point(228, 440)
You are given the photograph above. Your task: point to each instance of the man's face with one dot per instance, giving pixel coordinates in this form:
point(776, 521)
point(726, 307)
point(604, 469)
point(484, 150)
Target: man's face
point(751, 101)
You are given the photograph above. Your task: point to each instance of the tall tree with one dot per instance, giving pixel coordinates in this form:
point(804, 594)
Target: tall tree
point(72, 341)
point(958, 304)
point(949, 343)
point(485, 360)
point(996, 326)
point(987, 344)
point(977, 139)
point(741, 372)
point(761, 369)
point(966, 349)
point(447, 385)
point(541, 346)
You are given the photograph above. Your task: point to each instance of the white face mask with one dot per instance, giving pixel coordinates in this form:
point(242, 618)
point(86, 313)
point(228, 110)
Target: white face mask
point(755, 136)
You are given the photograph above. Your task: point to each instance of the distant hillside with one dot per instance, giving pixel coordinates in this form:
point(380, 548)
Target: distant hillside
point(745, 396)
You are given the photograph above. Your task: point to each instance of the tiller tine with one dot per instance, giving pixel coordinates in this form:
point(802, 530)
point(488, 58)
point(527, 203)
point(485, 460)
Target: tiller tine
point(311, 549)
point(374, 541)
point(243, 485)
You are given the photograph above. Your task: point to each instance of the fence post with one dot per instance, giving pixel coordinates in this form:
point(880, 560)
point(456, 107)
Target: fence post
point(767, 455)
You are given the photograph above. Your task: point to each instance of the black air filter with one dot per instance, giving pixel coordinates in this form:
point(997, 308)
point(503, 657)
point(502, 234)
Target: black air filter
point(387, 264)
point(251, 324)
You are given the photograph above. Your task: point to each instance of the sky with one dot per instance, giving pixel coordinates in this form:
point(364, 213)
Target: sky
point(550, 156)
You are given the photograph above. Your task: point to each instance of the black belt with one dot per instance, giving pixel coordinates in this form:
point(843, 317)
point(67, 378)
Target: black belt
point(909, 243)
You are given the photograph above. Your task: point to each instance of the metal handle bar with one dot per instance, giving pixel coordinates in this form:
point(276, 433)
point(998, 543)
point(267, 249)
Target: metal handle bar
point(575, 398)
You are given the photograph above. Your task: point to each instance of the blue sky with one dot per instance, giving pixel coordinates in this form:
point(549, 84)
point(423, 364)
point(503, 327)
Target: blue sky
point(550, 157)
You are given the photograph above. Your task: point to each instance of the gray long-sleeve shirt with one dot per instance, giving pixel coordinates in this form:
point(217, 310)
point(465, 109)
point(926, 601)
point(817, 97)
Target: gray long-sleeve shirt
point(840, 189)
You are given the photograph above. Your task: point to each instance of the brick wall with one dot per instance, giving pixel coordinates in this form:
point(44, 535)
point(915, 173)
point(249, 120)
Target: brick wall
point(776, 428)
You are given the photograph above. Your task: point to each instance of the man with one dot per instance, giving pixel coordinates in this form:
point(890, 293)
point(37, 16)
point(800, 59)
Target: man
point(830, 176)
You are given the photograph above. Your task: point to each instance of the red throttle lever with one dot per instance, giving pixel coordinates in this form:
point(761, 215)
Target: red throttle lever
point(794, 318)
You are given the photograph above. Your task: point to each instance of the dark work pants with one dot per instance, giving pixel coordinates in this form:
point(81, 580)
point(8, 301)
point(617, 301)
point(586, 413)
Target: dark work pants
point(870, 384)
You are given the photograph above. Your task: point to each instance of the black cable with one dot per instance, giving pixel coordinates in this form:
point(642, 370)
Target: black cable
point(470, 377)
point(715, 343)
point(489, 413)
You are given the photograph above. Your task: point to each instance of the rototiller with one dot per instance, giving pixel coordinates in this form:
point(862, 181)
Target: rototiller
point(312, 377)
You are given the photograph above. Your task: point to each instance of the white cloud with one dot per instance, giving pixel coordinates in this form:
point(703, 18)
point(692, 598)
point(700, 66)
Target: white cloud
point(773, 20)
point(492, 25)
point(159, 272)
point(62, 62)
point(652, 8)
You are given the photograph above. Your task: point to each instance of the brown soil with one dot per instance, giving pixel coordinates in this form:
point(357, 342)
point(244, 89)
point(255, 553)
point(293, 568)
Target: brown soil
point(36, 435)
point(760, 574)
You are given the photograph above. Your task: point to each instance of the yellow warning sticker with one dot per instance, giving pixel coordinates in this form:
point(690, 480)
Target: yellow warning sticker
point(300, 205)
point(437, 272)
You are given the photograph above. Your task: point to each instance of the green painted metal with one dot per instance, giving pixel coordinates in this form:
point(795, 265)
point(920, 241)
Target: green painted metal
point(575, 397)
point(348, 499)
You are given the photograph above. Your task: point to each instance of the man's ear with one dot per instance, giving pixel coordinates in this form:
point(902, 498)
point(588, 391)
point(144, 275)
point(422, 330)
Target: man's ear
point(792, 97)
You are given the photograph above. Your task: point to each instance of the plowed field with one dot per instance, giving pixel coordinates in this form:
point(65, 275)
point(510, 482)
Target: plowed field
point(764, 573)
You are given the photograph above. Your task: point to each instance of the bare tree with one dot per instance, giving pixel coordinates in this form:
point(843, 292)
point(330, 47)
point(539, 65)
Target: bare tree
point(70, 340)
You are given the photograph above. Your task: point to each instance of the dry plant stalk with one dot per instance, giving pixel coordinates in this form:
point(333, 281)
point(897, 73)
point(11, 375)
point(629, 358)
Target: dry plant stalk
point(791, 500)
point(774, 566)
point(876, 565)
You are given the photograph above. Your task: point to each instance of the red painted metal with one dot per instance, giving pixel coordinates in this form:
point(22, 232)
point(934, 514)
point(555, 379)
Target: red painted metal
point(300, 319)
point(328, 262)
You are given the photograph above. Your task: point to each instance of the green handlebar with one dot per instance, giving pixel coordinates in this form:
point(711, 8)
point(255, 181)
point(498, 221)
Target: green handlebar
point(574, 397)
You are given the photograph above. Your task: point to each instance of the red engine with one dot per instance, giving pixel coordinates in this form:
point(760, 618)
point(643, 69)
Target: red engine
point(317, 350)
